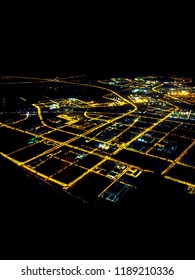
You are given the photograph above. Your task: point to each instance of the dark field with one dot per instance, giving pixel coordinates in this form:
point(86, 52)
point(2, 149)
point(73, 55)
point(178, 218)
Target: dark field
point(12, 140)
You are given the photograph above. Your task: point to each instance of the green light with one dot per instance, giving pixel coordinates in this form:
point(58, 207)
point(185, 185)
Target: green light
point(33, 140)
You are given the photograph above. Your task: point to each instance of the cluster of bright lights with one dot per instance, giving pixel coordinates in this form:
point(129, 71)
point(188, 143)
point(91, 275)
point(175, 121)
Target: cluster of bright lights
point(182, 93)
point(138, 99)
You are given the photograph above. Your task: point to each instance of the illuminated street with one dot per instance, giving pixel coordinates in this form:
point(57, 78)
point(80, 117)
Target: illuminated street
point(100, 140)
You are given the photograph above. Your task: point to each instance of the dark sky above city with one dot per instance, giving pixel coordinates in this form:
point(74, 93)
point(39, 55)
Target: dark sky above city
point(99, 43)
point(98, 38)
point(101, 58)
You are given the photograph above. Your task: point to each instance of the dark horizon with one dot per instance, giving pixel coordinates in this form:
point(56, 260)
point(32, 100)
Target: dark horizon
point(98, 58)
point(95, 68)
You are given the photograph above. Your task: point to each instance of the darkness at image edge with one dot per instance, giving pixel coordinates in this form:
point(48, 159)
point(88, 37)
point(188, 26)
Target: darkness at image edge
point(42, 227)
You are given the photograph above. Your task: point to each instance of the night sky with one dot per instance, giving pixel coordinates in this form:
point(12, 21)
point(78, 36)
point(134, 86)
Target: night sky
point(104, 58)
point(101, 45)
